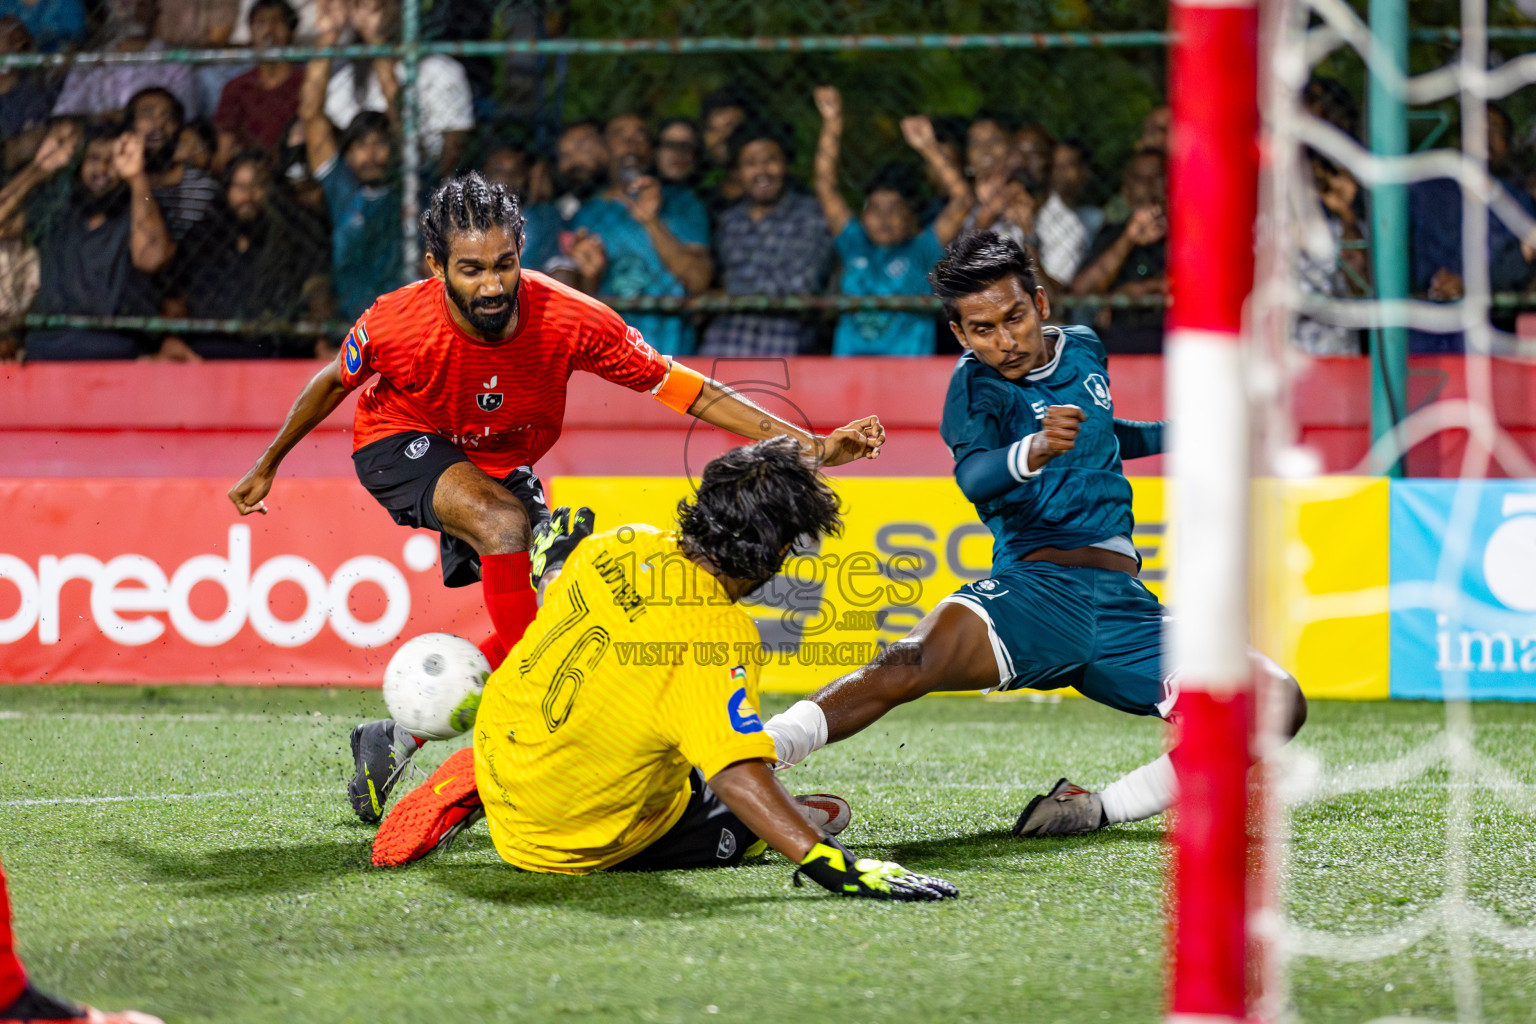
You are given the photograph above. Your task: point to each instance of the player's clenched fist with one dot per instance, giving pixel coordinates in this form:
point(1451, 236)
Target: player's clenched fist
point(861, 439)
point(1057, 434)
point(247, 494)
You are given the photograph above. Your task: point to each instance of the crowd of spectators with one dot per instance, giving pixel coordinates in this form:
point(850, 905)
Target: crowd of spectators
point(271, 194)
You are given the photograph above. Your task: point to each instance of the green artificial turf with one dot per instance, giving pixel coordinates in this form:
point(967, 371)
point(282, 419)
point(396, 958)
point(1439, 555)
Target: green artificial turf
point(226, 880)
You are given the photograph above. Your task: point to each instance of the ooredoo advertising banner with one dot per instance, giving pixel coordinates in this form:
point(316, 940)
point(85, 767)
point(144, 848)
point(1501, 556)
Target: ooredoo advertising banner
point(150, 581)
point(160, 580)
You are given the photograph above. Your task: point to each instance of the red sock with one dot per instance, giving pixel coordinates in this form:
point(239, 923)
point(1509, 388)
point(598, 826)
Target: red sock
point(509, 596)
point(13, 980)
point(491, 647)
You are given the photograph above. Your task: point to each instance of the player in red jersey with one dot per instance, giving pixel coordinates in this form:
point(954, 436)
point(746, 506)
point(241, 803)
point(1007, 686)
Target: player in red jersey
point(472, 365)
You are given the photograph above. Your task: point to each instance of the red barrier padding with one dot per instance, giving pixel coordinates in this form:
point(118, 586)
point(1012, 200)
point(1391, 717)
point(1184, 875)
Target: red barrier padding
point(213, 419)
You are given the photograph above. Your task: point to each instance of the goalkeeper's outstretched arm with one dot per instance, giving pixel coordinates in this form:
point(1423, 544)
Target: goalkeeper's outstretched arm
point(764, 806)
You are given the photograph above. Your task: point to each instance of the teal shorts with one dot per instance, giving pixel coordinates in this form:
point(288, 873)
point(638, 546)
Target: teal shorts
point(1098, 630)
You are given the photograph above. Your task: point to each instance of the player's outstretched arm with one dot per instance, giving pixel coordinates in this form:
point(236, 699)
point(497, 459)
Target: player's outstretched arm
point(318, 400)
point(756, 797)
point(718, 405)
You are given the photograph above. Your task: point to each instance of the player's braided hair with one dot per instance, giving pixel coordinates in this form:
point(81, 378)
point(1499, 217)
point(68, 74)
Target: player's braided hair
point(755, 507)
point(468, 203)
point(975, 262)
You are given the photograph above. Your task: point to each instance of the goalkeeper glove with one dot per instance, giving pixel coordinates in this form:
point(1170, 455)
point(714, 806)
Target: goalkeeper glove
point(554, 540)
point(832, 866)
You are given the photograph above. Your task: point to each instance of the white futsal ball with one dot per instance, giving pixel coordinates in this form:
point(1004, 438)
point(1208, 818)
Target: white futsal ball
point(433, 685)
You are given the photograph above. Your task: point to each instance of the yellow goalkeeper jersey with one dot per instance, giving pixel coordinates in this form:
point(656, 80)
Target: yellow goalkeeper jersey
point(638, 669)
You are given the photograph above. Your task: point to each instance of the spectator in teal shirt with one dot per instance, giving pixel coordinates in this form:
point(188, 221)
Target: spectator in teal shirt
point(655, 238)
point(354, 173)
point(581, 169)
point(53, 24)
point(882, 251)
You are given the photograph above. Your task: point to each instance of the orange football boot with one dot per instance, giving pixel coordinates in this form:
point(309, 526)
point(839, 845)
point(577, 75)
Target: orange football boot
point(431, 816)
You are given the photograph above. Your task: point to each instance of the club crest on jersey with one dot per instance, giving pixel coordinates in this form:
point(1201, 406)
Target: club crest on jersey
point(417, 448)
point(1098, 387)
point(488, 401)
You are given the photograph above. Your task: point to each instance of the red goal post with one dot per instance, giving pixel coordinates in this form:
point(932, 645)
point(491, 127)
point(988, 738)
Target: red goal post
point(1213, 199)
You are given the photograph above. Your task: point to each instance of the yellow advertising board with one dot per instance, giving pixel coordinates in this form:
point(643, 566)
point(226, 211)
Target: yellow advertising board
point(907, 542)
point(910, 541)
point(1321, 583)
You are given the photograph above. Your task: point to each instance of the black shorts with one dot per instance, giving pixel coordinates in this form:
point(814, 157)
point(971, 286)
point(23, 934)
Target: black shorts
point(401, 472)
point(708, 835)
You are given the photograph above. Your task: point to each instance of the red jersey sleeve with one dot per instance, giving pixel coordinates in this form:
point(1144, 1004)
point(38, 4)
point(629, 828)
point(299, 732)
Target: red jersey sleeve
point(357, 354)
point(617, 352)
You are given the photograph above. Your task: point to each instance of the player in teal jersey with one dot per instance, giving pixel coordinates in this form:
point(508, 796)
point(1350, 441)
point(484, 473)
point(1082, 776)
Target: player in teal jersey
point(1030, 421)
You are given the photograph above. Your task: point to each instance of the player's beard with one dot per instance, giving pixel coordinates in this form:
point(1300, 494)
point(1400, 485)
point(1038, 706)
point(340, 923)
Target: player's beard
point(490, 325)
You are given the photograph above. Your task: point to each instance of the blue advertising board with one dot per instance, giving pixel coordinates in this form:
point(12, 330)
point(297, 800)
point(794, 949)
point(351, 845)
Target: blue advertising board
point(1463, 589)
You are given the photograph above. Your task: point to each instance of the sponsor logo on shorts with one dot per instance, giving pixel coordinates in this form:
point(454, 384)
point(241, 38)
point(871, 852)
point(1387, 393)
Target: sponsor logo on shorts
point(489, 402)
point(727, 844)
point(417, 448)
point(743, 715)
point(1098, 387)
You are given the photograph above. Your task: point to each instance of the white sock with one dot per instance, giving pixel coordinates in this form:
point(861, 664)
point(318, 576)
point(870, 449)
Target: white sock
point(798, 732)
point(1141, 793)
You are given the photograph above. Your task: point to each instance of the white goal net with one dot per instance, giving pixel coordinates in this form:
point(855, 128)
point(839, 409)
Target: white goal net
point(1461, 591)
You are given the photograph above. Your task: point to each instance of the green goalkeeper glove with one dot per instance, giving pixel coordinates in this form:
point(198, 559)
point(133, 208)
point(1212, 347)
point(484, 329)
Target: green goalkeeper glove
point(554, 540)
point(834, 868)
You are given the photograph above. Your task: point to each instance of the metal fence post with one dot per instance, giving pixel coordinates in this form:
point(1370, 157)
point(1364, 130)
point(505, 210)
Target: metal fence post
point(410, 138)
point(1389, 223)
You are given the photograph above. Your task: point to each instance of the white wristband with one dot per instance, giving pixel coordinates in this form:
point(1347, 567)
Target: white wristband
point(797, 733)
point(1018, 460)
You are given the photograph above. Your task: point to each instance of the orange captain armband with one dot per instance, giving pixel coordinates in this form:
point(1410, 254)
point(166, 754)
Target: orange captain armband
point(679, 388)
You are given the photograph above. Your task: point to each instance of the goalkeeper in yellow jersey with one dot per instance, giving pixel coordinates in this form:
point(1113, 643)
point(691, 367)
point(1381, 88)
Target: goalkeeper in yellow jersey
point(622, 732)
